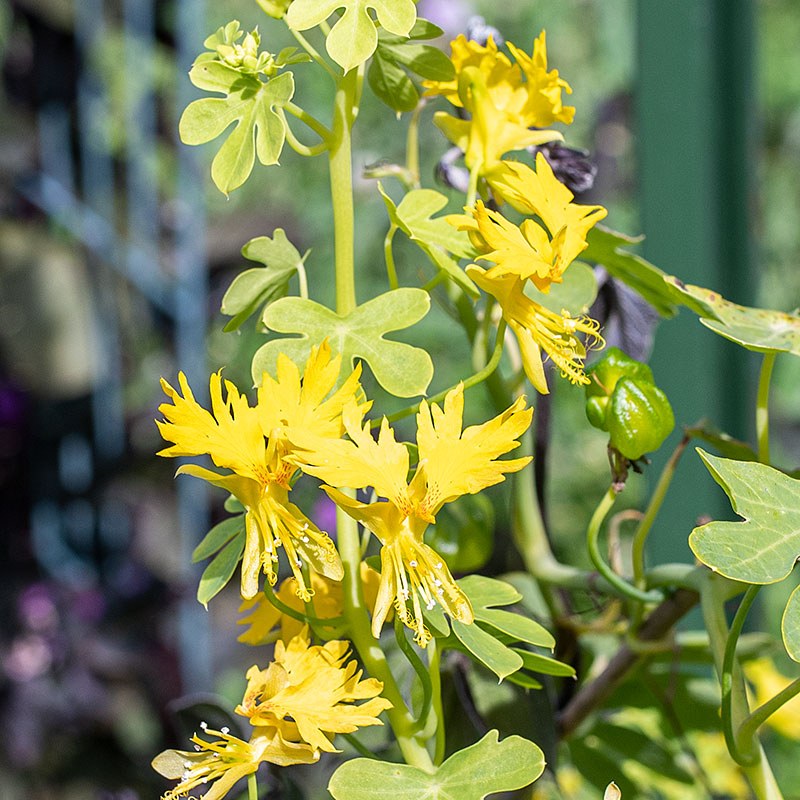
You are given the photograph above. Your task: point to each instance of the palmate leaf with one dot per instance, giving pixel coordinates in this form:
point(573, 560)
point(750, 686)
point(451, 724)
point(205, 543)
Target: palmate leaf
point(484, 768)
point(250, 103)
point(764, 548)
point(354, 37)
point(414, 215)
point(753, 328)
point(256, 287)
point(401, 369)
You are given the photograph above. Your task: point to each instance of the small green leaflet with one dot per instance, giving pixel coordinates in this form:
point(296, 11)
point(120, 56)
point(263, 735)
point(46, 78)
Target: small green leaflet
point(764, 548)
point(221, 569)
point(754, 328)
point(250, 103)
point(218, 536)
point(386, 75)
point(256, 287)
point(354, 37)
point(414, 216)
point(401, 369)
point(486, 645)
point(484, 768)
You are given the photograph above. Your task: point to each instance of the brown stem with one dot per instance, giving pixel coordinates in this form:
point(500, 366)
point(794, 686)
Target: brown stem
point(655, 627)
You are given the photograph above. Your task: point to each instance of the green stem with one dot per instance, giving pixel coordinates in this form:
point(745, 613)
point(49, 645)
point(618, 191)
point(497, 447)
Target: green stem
point(762, 407)
point(311, 50)
point(434, 668)
point(412, 145)
point(360, 748)
point(592, 536)
point(748, 729)
point(302, 278)
point(311, 121)
point(479, 376)
point(472, 191)
point(297, 145)
point(368, 647)
point(341, 171)
point(388, 255)
point(726, 680)
point(646, 522)
point(336, 623)
point(439, 277)
point(716, 590)
point(419, 668)
point(252, 786)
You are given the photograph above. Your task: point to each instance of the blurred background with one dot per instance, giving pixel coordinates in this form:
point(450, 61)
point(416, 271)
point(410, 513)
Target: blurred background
point(115, 250)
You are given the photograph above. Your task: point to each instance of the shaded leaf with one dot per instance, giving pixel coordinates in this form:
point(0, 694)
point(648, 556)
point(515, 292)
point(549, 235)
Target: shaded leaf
point(221, 569)
point(485, 592)
point(719, 440)
point(464, 533)
point(354, 37)
point(606, 247)
point(544, 664)
point(218, 536)
point(401, 369)
point(391, 84)
point(435, 620)
point(254, 288)
point(487, 767)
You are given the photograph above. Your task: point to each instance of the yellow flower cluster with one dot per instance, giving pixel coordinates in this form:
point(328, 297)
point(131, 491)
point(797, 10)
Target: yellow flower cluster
point(508, 113)
point(509, 103)
point(451, 463)
point(294, 706)
point(255, 443)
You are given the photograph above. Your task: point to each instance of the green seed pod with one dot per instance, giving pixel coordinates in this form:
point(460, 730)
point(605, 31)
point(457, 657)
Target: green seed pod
point(623, 399)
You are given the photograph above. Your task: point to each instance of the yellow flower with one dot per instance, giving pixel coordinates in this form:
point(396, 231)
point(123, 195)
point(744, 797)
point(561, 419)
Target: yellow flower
point(767, 682)
point(328, 603)
point(312, 690)
point(538, 329)
point(451, 463)
point(225, 759)
point(542, 194)
point(254, 443)
point(504, 107)
point(534, 102)
point(525, 251)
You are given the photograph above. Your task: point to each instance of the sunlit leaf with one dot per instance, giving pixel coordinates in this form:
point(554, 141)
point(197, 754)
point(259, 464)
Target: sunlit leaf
point(501, 660)
point(575, 293)
point(763, 548)
point(790, 625)
point(354, 37)
point(254, 288)
point(250, 104)
point(487, 767)
point(401, 369)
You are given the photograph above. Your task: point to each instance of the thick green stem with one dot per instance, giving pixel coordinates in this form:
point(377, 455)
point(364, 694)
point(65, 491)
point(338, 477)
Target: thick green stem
point(762, 407)
point(726, 680)
point(412, 145)
point(643, 528)
point(341, 170)
point(715, 591)
point(311, 121)
point(592, 537)
point(369, 649)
